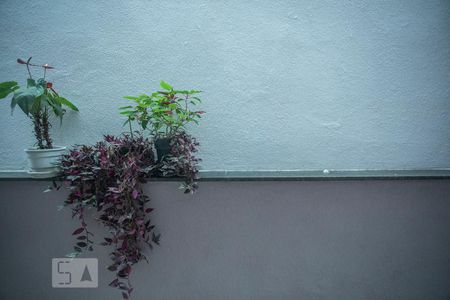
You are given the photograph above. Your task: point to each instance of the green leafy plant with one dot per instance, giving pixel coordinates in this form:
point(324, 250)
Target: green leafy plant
point(109, 175)
point(165, 113)
point(38, 100)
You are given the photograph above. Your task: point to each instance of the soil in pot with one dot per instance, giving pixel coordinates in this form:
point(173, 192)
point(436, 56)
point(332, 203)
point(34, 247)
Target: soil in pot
point(162, 146)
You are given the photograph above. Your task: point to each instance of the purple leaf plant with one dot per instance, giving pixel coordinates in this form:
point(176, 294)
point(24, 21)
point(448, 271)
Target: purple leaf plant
point(109, 176)
point(181, 162)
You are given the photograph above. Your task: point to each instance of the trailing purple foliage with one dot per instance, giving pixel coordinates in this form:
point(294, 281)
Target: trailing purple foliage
point(108, 176)
point(181, 162)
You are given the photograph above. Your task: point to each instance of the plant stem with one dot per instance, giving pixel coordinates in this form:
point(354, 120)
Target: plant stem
point(28, 68)
point(36, 118)
point(46, 127)
point(29, 73)
point(131, 130)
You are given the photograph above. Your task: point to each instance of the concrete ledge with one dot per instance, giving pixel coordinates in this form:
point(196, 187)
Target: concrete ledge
point(285, 175)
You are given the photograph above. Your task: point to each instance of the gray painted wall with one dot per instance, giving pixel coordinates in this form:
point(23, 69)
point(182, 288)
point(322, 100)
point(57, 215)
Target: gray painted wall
point(288, 84)
point(251, 240)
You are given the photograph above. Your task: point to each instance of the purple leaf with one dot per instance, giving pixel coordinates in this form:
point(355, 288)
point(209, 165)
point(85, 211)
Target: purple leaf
point(114, 283)
point(78, 231)
point(112, 268)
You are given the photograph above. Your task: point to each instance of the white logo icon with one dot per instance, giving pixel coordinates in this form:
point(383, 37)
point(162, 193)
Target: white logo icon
point(74, 272)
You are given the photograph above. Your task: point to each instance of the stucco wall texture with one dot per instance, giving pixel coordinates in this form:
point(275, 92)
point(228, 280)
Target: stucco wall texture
point(287, 84)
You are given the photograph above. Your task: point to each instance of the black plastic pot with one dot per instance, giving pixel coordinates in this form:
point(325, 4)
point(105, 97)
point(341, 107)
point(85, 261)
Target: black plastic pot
point(162, 146)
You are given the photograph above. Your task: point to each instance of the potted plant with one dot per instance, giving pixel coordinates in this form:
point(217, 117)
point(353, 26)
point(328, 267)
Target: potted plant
point(165, 113)
point(39, 101)
point(108, 176)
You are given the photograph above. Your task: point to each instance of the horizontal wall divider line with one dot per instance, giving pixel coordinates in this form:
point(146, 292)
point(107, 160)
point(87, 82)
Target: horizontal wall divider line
point(285, 175)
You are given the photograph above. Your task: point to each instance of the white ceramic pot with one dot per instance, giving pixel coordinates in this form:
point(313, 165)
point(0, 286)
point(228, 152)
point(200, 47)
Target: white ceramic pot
point(44, 163)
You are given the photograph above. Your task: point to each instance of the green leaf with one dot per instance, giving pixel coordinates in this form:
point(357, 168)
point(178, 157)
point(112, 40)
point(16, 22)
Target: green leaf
point(127, 112)
point(31, 82)
point(56, 106)
point(166, 86)
point(131, 98)
point(58, 111)
point(144, 124)
point(125, 107)
point(7, 88)
point(25, 103)
point(36, 107)
point(183, 92)
point(192, 92)
point(67, 103)
point(25, 97)
point(42, 81)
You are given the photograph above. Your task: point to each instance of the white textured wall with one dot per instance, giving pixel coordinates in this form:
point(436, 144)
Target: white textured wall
point(288, 84)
